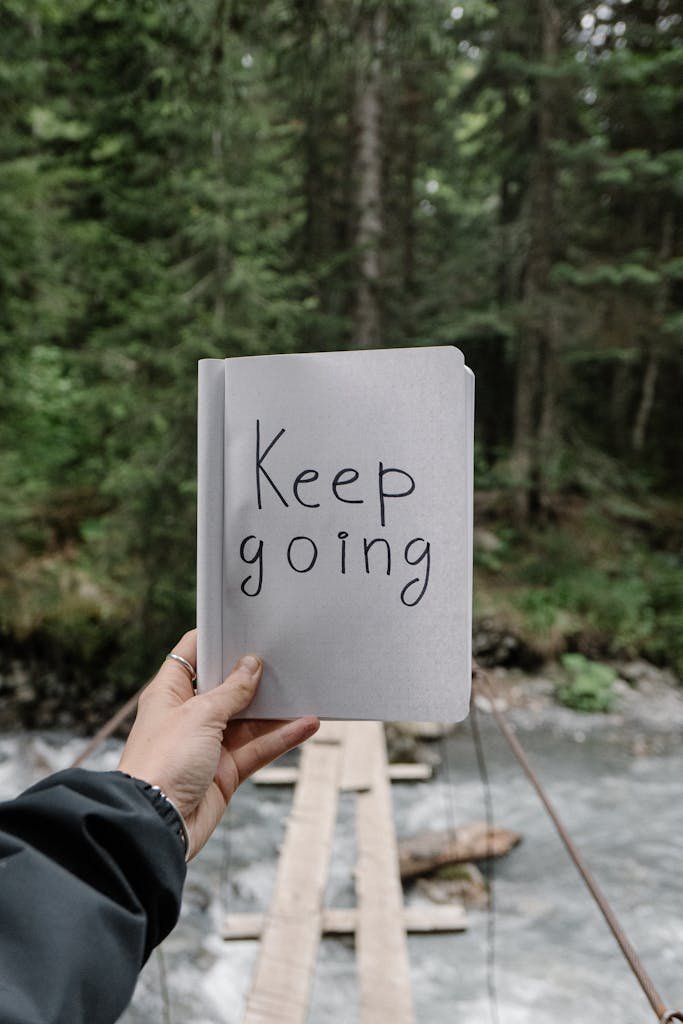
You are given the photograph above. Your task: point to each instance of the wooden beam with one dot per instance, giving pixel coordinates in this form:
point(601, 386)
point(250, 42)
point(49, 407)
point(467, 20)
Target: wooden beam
point(418, 772)
point(356, 774)
point(287, 775)
point(291, 934)
point(381, 946)
point(418, 918)
point(276, 775)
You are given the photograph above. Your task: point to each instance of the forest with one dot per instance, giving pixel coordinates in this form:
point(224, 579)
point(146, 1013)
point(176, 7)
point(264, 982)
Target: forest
point(191, 178)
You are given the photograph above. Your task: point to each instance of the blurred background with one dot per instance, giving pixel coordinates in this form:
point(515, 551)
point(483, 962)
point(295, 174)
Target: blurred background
point(192, 178)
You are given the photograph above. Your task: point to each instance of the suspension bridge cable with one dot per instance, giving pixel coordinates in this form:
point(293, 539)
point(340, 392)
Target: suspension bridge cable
point(109, 727)
point(489, 869)
point(663, 1015)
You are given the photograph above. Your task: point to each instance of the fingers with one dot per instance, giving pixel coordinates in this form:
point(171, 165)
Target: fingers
point(173, 678)
point(174, 684)
point(237, 691)
point(255, 744)
point(262, 741)
point(187, 647)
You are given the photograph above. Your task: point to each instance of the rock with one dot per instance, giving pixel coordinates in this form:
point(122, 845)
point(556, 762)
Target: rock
point(25, 693)
point(404, 746)
point(401, 745)
point(484, 704)
point(493, 644)
point(430, 850)
point(642, 673)
point(486, 540)
point(634, 671)
point(429, 754)
point(196, 896)
point(640, 747)
point(462, 883)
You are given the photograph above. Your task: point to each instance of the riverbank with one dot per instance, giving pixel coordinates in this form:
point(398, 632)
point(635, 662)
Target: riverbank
point(38, 693)
point(646, 711)
point(602, 578)
point(647, 702)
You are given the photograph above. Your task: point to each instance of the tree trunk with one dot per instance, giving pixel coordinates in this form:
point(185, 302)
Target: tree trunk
point(536, 376)
point(523, 457)
point(647, 400)
point(549, 425)
point(621, 394)
point(368, 177)
point(410, 116)
point(218, 155)
point(647, 394)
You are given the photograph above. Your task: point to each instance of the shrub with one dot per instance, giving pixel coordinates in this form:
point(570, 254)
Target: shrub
point(588, 685)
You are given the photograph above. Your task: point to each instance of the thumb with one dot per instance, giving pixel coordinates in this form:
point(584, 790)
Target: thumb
point(237, 691)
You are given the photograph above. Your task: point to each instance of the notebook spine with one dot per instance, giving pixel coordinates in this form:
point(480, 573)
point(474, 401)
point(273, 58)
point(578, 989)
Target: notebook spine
point(210, 517)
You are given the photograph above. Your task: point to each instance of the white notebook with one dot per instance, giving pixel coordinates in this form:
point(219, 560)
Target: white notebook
point(335, 531)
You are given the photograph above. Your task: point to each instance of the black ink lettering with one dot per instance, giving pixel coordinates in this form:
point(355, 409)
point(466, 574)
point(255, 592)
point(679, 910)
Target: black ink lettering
point(367, 544)
point(342, 537)
point(391, 494)
point(425, 554)
point(258, 558)
point(259, 467)
point(314, 555)
point(339, 481)
point(306, 476)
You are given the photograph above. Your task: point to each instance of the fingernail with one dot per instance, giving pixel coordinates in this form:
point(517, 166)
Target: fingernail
point(312, 728)
point(250, 664)
point(305, 729)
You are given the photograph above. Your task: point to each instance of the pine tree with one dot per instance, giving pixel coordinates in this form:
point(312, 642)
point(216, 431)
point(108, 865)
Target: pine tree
point(625, 259)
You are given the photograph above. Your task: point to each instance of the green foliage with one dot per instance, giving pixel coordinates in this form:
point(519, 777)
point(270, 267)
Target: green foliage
point(592, 582)
point(177, 181)
point(588, 685)
point(145, 229)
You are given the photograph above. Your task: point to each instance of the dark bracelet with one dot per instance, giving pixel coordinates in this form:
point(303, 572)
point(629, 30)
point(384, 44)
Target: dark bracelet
point(166, 810)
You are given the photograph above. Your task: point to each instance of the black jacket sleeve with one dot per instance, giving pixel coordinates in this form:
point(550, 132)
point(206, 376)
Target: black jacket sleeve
point(90, 881)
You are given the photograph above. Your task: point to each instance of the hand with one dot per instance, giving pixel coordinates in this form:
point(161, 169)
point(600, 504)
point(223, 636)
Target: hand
point(188, 746)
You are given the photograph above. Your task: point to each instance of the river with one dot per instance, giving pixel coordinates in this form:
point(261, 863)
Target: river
point(616, 781)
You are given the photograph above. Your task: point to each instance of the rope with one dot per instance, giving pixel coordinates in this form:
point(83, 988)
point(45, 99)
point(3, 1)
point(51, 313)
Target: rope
point(663, 1015)
point(163, 987)
point(225, 883)
point(489, 869)
point(108, 728)
point(449, 788)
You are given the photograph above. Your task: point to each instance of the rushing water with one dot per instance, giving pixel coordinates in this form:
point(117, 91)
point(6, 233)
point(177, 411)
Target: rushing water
point(555, 961)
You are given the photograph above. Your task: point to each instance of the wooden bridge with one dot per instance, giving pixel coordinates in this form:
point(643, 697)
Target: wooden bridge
point(342, 756)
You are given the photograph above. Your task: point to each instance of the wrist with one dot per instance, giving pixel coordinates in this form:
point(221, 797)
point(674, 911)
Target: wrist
point(166, 810)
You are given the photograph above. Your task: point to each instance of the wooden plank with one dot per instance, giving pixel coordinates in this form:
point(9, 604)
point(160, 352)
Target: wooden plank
point(243, 925)
point(445, 917)
point(276, 775)
point(332, 731)
point(287, 775)
point(418, 772)
point(356, 771)
point(282, 979)
point(420, 918)
point(381, 947)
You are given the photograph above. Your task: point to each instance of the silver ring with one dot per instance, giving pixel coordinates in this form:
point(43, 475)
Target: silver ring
point(185, 663)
